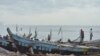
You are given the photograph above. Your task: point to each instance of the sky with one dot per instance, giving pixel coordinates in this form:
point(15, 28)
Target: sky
point(50, 12)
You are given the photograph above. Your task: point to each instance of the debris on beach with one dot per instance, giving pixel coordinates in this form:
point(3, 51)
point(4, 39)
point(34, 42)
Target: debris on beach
point(4, 52)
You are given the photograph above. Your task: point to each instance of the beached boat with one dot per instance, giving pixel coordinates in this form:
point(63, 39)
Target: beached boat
point(79, 49)
point(23, 45)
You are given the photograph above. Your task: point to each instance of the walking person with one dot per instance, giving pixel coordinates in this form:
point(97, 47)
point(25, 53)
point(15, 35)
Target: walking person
point(91, 34)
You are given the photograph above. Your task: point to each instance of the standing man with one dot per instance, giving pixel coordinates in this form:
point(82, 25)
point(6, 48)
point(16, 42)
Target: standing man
point(91, 34)
point(81, 36)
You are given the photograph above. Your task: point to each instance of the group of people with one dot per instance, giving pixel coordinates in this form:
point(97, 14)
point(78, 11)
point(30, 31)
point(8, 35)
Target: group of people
point(82, 35)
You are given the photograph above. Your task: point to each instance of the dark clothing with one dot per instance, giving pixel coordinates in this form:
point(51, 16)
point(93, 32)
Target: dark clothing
point(81, 36)
point(49, 37)
point(69, 40)
point(91, 34)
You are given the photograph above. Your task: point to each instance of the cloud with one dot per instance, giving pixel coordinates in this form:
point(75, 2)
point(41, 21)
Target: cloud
point(54, 12)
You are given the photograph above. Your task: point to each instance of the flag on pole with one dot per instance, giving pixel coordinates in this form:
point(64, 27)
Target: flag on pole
point(50, 32)
point(61, 33)
point(21, 29)
point(50, 35)
point(35, 33)
point(16, 29)
point(30, 30)
point(60, 30)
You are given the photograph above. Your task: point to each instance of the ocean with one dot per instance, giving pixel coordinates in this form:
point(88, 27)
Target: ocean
point(68, 31)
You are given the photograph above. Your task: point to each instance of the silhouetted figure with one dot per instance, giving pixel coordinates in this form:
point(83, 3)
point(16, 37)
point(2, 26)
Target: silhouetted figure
point(81, 36)
point(69, 40)
point(91, 34)
point(49, 37)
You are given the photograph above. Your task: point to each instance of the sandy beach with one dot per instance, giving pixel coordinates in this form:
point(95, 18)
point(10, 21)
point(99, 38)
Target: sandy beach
point(4, 52)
